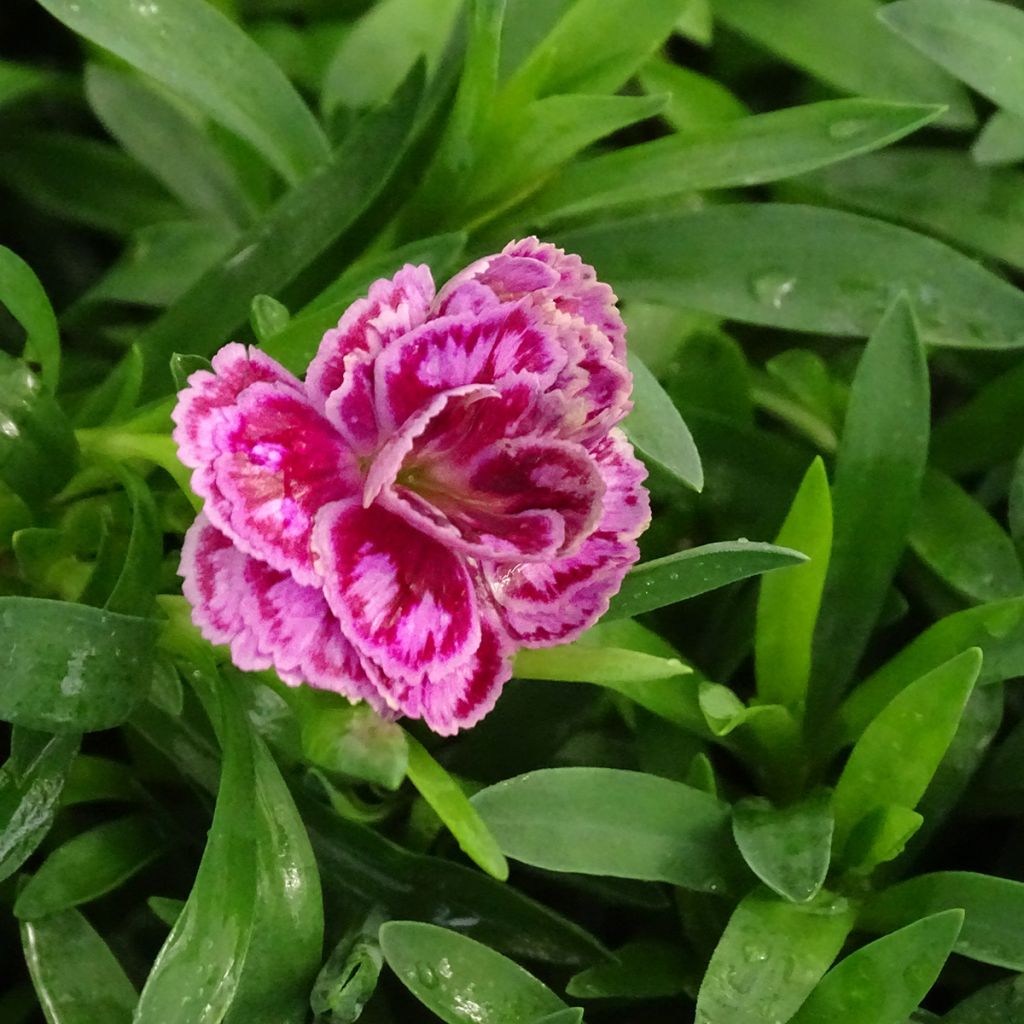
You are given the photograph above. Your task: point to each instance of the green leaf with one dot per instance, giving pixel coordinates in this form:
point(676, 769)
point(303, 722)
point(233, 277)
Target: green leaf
point(770, 957)
point(267, 317)
point(657, 431)
point(999, 1001)
point(93, 778)
point(463, 981)
point(956, 536)
point(742, 152)
point(883, 982)
point(978, 41)
point(30, 788)
point(788, 848)
point(165, 908)
point(24, 81)
point(896, 757)
point(136, 584)
point(69, 667)
point(595, 46)
point(676, 577)
point(167, 142)
point(696, 101)
point(450, 804)
point(90, 865)
point(602, 821)
point(996, 629)
point(880, 836)
point(878, 474)
point(183, 366)
point(603, 666)
point(802, 268)
point(298, 229)
point(1001, 141)
point(640, 970)
point(24, 298)
point(843, 45)
point(787, 608)
point(993, 908)
point(349, 977)
point(76, 977)
point(195, 51)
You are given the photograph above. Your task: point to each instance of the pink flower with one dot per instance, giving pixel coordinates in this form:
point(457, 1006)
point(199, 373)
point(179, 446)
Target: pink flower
point(447, 485)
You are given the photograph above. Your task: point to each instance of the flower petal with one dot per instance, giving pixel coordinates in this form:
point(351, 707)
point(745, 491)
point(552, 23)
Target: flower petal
point(500, 347)
point(279, 462)
point(545, 603)
point(392, 308)
point(405, 601)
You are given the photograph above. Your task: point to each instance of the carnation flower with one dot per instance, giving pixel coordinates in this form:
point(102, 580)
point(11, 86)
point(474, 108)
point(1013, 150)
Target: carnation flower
point(447, 485)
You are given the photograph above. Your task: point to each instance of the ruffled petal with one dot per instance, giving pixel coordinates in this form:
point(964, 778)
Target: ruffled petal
point(392, 308)
point(405, 601)
point(267, 619)
point(279, 462)
point(501, 347)
point(546, 603)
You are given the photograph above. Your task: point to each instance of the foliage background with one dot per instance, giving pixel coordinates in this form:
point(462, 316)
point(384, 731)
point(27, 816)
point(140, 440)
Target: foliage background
point(782, 781)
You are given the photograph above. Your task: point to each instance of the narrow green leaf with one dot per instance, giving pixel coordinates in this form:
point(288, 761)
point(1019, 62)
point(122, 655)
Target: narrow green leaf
point(843, 45)
point(657, 431)
point(696, 101)
point(996, 629)
point(878, 475)
point(978, 41)
point(30, 788)
point(896, 757)
point(196, 51)
point(24, 81)
point(883, 982)
point(770, 956)
point(1001, 141)
point(93, 778)
point(640, 970)
point(956, 536)
point(24, 298)
point(664, 581)
point(881, 835)
point(463, 981)
point(76, 977)
point(999, 1001)
point(747, 151)
point(802, 268)
point(603, 666)
point(349, 977)
point(787, 608)
point(168, 143)
point(993, 906)
point(88, 866)
point(136, 584)
point(602, 821)
point(788, 848)
point(451, 805)
point(303, 223)
point(69, 667)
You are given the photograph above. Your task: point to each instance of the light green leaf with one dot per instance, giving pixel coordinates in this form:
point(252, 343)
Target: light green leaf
point(461, 980)
point(664, 581)
point(603, 666)
point(194, 50)
point(878, 474)
point(787, 608)
point(1001, 141)
point(896, 757)
point(880, 836)
point(657, 430)
point(451, 805)
point(745, 151)
point(956, 536)
point(802, 268)
point(88, 866)
point(267, 317)
point(696, 101)
point(788, 848)
point(76, 977)
point(603, 821)
point(770, 956)
point(24, 298)
point(843, 45)
point(883, 982)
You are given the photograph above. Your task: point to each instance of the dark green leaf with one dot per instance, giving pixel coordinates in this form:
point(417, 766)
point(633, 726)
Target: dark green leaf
point(788, 848)
point(23, 296)
point(770, 957)
point(641, 970)
point(88, 866)
point(194, 50)
point(94, 778)
point(802, 268)
point(602, 821)
point(69, 667)
point(134, 590)
point(875, 491)
point(348, 979)
point(1001, 1001)
point(1001, 141)
point(884, 981)
point(461, 980)
point(76, 976)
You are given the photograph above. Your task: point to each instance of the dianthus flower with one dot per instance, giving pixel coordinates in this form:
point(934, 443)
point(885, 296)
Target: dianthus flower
point(447, 485)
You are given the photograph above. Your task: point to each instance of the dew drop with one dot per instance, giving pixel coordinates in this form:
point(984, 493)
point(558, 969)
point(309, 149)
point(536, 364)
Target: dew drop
point(773, 288)
point(426, 975)
point(846, 129)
